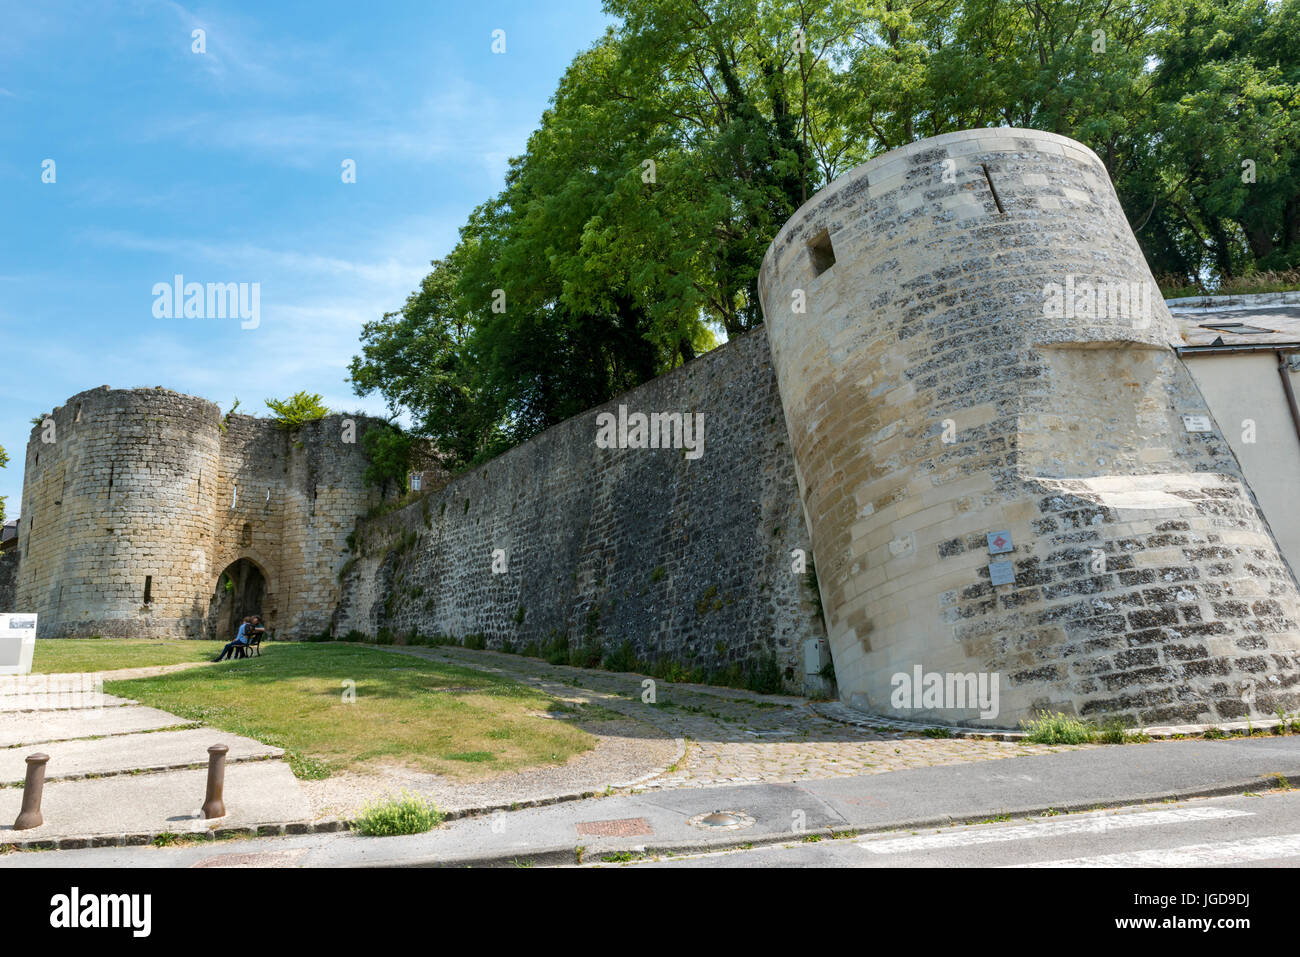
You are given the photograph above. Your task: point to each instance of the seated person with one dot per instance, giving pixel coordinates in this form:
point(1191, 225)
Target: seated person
point(241, 638)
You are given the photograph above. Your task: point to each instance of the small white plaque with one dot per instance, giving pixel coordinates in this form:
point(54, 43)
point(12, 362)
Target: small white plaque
point(17, 643)
point(1197, 423)
point(1001, 573)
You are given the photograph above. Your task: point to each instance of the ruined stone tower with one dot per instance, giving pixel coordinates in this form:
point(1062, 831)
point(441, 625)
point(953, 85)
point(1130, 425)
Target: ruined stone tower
point(1004, 466)
point(145, 514)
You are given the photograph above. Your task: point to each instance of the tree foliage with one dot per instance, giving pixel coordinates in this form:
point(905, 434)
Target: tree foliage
point(630, 233)
point(390, 451)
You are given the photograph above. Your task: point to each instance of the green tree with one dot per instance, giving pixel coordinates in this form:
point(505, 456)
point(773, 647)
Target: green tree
point(631, 230)
point(1226, 91)
point(420, 360)
point(390, 450)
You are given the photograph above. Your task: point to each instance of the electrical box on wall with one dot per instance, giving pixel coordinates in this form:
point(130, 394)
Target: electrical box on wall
point(816, 655)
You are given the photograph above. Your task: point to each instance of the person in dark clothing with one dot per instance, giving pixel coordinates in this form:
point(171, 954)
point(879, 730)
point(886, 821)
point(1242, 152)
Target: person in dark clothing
point(246, 629)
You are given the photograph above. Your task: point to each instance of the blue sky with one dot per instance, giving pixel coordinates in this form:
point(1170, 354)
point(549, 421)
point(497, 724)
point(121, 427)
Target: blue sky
point(226, 166)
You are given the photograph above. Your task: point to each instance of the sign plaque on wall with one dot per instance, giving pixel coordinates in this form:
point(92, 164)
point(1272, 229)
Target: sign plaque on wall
point(17, 642)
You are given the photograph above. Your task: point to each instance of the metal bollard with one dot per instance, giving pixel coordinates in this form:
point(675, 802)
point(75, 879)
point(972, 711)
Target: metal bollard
point(215, 805)
point(30, 814)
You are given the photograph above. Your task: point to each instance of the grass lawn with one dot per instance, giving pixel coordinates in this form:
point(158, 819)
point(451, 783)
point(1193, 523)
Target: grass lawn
point(410, 712)
point(63, 655)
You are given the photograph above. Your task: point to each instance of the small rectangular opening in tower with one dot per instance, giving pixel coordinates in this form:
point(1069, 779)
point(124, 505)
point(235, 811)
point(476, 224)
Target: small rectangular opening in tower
point(148, 589)
point(822, 252)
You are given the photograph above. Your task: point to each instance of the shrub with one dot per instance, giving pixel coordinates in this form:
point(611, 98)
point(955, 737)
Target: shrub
point(622, 658)
point(556, 649)
point(765, 676)
point(476, 642)
point(1058, 728)
point(355, 635)
point(586, 655)
point(297, 410)
point(404, 814)
point(1115, 731)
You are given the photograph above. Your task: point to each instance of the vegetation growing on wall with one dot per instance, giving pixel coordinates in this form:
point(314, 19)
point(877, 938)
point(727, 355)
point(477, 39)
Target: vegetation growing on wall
point(297, 410)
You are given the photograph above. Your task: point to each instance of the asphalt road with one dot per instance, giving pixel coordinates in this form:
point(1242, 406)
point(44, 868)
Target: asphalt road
point(1242, 831)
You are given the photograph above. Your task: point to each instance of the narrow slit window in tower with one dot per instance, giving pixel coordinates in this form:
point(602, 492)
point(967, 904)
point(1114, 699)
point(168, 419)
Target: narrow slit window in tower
point(821, 252)
point(997, 200)
point(148, 589)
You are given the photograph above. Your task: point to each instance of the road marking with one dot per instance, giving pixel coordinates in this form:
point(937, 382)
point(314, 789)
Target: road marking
point(1189, 855)
point(1017, 832)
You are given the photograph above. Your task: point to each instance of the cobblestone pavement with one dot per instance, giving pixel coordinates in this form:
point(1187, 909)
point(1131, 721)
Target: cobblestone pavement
point(734, 736)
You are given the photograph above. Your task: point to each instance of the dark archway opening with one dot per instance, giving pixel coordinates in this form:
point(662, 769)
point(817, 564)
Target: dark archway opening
point(241, 591)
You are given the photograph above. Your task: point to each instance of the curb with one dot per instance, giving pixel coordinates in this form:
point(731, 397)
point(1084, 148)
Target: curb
point(138, 839)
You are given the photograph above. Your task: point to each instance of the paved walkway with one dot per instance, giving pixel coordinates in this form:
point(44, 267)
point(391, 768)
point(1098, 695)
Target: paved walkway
point(119, 772)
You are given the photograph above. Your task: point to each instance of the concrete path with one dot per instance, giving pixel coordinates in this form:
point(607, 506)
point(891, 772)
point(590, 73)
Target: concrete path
point(120, 753)
point(122, 772)
point(256, 793)
point(625, 826)
point(32, 727)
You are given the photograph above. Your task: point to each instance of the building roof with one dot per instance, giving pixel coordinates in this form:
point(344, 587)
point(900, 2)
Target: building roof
point(1264, 326)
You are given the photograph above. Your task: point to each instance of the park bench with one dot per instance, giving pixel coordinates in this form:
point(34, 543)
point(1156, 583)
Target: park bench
point(254, 645)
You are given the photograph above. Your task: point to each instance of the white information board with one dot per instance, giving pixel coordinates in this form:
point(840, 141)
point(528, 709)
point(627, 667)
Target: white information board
point(17, 642)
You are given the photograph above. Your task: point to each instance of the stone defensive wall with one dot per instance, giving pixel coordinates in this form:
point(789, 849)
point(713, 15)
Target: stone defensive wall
point(690, 559)
point(1000, 482)
point(9, 581)
point(137, 504)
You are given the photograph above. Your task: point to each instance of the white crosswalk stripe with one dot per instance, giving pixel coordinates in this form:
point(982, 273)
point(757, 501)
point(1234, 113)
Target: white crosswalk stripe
point(1189, 855)
point(1093, 824)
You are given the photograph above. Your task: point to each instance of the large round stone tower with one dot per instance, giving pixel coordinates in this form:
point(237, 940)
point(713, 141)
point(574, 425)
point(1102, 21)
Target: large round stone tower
point(116, 521)
point(147, 514)
point(1010, 479)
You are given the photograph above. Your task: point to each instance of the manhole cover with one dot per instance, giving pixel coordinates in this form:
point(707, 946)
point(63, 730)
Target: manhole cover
point(721, 820)
point(622, 827)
